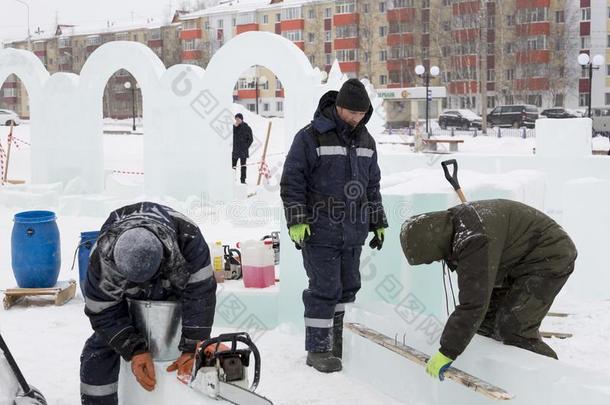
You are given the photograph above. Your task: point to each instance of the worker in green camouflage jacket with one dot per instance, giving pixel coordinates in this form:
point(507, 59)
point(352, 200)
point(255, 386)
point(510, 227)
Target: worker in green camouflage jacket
point(511, 261)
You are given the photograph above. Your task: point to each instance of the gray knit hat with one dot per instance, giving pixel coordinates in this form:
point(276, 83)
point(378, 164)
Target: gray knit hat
point(138, 254)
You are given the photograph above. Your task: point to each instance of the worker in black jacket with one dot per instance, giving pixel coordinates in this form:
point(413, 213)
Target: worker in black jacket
point(145, 251)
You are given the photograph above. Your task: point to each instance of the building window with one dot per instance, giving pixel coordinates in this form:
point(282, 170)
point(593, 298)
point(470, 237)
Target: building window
point(329, 58)
point(251, 107)
point(510, 20)
point(293, 13)
point(265, 19)
point(311, 37)
point(327, 36)
point(383, 55)
point(295, 36)
point(491, 75)
point(154, 34)
point(121, 36)
point(10, 92)
point(246, 18)
point(219, 24)
point(585, 42)
point(607, 97)
point(189, 25)
point(345, 7)
point(558, 100)
point(266, 107)
point(382, 6)
point(311, 14)
point(530, 15)
point(560, 17)
point(583, 99)
point(278, 84)
point(383, 79)
point(537, 42)
point(279, 106)
point(509, 74)
point(328, 12)
point(189, 45)
point(346, 31)
point(607, 70)
point(64, 42)
point(94, 40)
point(278, 17)
point(585, 14)
point(425, 3)
point(367, 56)
point(347, 55)
point(402, 3)
point(312, 59)
point(383, 30)
point(365, 8)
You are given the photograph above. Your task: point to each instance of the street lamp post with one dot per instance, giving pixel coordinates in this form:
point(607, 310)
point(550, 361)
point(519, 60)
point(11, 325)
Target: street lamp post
point(420, 70)
point(586, 62)
point(128, 86)
point(27, 6)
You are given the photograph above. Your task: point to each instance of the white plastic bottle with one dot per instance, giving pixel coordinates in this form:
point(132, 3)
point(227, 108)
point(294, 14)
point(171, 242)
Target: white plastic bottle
point(217, 257)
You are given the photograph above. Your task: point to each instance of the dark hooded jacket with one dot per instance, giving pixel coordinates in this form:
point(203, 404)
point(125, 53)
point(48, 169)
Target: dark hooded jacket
point(242, 140)
point(487, 243)
point(185, 275)
point(331, 179)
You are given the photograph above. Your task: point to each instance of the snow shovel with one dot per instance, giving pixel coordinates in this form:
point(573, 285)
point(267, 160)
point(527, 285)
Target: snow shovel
point(30, 395)
point(452, 178)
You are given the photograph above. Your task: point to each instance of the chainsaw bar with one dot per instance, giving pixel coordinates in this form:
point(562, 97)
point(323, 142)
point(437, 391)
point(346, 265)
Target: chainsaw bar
point(240, 396)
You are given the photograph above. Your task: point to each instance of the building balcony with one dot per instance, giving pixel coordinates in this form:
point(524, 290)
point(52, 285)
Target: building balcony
point(464, 87)
point(292, 25)
point(185, 35)
point(534, 3)
point(534, 56)
point(468, 7)
point(245, 28)
point(346, 43)
point(349, 67)
point(406, 38)
point(402, 14)
point(346, 19)
point(537, 28)
point(191, 55)
point(532, 84)
point(155, 43)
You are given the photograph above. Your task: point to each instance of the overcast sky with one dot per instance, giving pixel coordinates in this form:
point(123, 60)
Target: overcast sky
point(13, 15)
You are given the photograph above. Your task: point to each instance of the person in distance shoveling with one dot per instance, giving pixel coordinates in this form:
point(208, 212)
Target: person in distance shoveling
point(511, 262)
point(145, 251)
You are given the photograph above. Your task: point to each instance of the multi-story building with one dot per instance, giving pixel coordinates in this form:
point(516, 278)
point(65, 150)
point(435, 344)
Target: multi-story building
point(489, 52)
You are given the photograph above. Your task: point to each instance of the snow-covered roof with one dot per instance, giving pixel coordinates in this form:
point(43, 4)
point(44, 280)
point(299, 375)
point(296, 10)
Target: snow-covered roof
point(243, 6)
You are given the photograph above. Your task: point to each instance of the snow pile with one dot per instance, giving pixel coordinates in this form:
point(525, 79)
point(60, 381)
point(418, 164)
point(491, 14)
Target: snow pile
point(8, 383)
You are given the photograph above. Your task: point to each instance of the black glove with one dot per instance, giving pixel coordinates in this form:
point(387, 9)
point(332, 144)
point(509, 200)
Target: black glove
point(377, 241)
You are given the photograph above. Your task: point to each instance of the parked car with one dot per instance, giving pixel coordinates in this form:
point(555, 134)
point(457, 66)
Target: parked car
point(558, 112)
point(516, 116)
point(8, 117)
point(463, 119)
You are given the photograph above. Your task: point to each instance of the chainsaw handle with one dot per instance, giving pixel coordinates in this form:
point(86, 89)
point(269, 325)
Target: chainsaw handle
point(233, 338)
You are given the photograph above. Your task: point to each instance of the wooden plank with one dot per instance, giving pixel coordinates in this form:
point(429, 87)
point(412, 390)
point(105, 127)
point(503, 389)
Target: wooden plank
point(454, 374)
point(66, 295)
point(443, 141)
point(558, 335)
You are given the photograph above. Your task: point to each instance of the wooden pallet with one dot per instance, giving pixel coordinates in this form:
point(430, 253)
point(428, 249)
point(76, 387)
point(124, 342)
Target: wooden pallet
point(63, 292)
point(558, 335)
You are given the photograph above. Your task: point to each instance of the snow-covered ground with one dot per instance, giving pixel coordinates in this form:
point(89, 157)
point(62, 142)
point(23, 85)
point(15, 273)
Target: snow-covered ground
point(47, 340)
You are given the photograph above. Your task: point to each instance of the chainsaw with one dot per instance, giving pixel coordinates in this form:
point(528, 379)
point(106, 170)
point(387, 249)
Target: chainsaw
point(223, 373)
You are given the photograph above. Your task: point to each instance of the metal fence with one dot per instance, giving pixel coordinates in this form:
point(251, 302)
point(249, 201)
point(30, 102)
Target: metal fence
point(491, 132)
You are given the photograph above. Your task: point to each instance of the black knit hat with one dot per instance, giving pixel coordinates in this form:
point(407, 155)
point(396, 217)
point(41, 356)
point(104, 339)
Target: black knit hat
point(240, 116)
point(353, 96)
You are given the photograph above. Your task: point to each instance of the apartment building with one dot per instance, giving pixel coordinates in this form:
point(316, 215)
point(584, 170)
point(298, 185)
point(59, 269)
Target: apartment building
point(530, 47)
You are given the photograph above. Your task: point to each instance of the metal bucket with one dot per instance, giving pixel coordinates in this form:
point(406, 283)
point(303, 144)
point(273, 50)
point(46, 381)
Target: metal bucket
point(161, 324)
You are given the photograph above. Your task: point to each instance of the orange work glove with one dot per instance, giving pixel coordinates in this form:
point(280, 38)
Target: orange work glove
point(184, 365)
point(209, 351)
point(143, 368)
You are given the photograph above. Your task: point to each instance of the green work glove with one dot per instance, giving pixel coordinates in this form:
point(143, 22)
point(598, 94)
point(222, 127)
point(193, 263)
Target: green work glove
point(437, 365)
point(299, 232)
point(377, 241)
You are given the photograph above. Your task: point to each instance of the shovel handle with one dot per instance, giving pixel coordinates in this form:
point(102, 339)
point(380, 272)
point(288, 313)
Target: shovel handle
point(452, 178)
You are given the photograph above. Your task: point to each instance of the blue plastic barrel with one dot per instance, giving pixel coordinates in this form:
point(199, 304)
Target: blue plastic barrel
point(35, 247)
point(87, 240)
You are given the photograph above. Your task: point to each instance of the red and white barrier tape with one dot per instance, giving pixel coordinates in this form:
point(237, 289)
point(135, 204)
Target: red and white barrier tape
point(264, 171)
point(2, 158)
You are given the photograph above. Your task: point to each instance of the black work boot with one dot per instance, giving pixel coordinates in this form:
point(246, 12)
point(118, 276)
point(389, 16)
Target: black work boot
point(338, 335)
point(533, 345)
point(324, 362)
